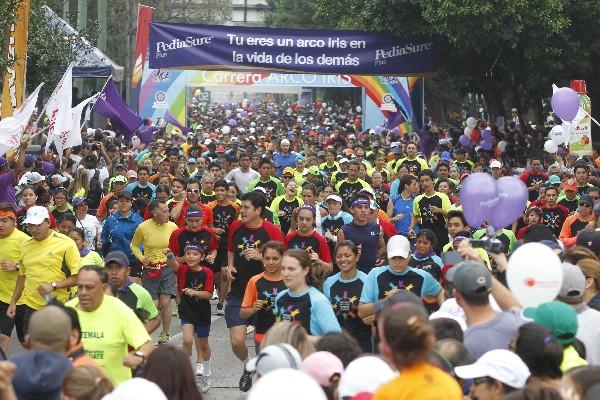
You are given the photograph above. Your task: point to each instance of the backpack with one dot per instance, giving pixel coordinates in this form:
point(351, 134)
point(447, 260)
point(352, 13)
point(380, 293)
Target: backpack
point(95, 193)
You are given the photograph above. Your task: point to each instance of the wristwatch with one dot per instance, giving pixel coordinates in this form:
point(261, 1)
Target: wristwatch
point(140, 354)
point(53, 284)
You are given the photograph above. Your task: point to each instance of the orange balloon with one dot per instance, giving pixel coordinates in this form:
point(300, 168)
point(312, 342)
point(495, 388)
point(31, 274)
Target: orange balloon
point(475, 135)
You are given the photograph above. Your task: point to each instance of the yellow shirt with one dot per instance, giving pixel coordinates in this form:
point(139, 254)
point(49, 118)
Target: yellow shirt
point(571, 359)
point(155, 239)
point(422, 381)
point(53, 259)
point(10, 250)
point(106, 333)
point(92, 258)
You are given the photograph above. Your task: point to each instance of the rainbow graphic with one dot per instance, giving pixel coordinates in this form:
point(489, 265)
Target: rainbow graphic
point(165, 90)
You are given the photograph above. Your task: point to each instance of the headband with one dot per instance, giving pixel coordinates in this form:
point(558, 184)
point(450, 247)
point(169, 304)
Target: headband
point(309, 208)
point(361, 202)
point(194, 247)
point(8, 214)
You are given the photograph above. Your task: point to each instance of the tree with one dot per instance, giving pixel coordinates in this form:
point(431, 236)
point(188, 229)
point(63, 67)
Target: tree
point(292, 14)
point(7, 18)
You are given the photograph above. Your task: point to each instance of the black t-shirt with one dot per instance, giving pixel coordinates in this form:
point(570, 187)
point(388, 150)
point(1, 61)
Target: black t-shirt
point(207, 198)
point(223, 216)
point(182, 237)
point(571, 205)
point(267, 291)
point(242, 238)
point(270, 187)
point(409, 281)
point(142, 192)
point(430, 220)
point(427, 264)
point(287, 207)
point(349, 190)
point(295, 309)
point(192, 309)
point(345, 297)
point(414, 167)
point(554, 218)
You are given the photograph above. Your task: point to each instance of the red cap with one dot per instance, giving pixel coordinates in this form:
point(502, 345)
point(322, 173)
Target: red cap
point(570, 184)
point(220, 149)
point(578, 86)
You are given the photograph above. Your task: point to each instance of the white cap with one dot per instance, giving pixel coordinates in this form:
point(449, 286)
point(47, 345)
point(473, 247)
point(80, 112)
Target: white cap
point(296, 384)
point(36, 215)
point(495, 164)
point(343, 160)
point(35, 177)
point(334, 197)
point(368, 191)
point(207, 141)
point(501, 365)
point(284, 141)
point(398, 246)
point(273, 357)
point(394, 144)
point(364, 374)
point(136, 388)
point(60, 178)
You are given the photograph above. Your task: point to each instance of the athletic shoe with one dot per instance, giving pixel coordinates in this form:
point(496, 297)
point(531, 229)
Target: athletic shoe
point(249, 329)
point(246, 381)
point(163, 338)
point(219, 309)
point(199, 369)
point(215, 295)
point(204, 383)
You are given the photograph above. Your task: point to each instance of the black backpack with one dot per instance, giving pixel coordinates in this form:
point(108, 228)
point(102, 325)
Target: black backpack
point(95, 193)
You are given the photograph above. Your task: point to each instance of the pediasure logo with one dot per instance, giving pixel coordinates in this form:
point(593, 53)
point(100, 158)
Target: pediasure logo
point(164, 47)
point(397, 51)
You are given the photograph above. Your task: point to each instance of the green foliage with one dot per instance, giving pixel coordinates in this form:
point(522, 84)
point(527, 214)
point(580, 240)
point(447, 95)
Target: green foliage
point(7, 18)
point(293, 14)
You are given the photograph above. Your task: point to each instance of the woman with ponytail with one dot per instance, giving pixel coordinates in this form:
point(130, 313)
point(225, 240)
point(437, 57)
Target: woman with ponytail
point(301, 302)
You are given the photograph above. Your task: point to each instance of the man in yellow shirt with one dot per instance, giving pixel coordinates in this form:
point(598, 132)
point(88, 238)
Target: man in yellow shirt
point(10, 252)
point(108, 326)
point(157, 279)
point(49, 263)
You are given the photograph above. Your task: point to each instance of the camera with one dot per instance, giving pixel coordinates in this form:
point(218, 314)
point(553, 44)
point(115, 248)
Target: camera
point(492, 245)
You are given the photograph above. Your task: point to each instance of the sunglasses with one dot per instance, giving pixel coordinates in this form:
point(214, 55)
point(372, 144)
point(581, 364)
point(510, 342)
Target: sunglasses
point(584, 205)
point(193, 190)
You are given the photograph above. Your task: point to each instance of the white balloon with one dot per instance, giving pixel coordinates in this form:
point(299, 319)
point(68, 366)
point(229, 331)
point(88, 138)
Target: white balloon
point(556, 134)
point(534, 274)
point(550, 147)
point(272, 385)
point(358, 109)
point(471, 122)
point(467, 132)
point(324, 105)
point(329, 109)
point(502, 146)
point(227, 113)
point(226, 129)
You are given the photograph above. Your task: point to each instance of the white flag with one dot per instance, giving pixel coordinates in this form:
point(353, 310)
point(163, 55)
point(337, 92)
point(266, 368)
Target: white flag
point(12, 128)
point(58, 111)
point(74, 137)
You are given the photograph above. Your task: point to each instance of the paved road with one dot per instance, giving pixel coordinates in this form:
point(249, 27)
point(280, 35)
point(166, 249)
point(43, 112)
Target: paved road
point(226, 368)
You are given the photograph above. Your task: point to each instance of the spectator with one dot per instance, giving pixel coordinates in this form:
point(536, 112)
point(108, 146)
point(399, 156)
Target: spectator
point(86, 382)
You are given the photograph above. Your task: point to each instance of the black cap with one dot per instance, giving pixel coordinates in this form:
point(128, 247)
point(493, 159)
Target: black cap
point(590, 239)
point(116, 257)
point(586, 199)
point(125, 193)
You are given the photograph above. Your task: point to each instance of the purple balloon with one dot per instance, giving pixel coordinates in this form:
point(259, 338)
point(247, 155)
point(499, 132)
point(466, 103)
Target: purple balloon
point(465, 141)
point(486, 145)
point(244, 113)
point(565, 103)
point(486, 134)
point(232, 122)
point(478, 196)
point(512, 199)
point(377, 129)
point(396, 131)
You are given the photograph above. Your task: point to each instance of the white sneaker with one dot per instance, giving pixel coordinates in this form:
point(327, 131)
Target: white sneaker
point(199, 369)
point(204, 383)
point(215, 295)
point(249, 329)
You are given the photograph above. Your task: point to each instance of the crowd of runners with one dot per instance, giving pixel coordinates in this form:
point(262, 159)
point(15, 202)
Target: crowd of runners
point(343, 251)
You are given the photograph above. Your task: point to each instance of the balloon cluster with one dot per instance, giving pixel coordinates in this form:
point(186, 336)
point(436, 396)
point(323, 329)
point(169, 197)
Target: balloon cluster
point(499, 202)
point(472, 135)
point(565, 104)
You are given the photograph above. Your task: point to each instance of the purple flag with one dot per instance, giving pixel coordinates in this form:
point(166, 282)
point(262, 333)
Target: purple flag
point(170, 118)
point(427, 142)
point(395, 118)
point(111, 105)
point(146, 133)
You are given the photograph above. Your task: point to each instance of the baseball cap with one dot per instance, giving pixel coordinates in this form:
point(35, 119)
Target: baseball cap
point(398, 246)
point(36, 215)
point(472, 278)
point(570, 184)
point(285, 141)
point(60, 178)
point(273, 357)
point(120, 166)
point(573, 284)
point(323, 366)
point(36, 177)
point(368, 191)
point(314, 170)
point(131, 174)
point(589, 239)
point(586, 199)
point(495, 164)
point(333, 197)
point(220, 149)
point(501, 365)
point(117, 257)
point(364, 374)
point(343, 160)
point(553, 180)
point(288, 170)
point(120, 178)
point(126, 193)
point(286, 383)
point(191, 160)
point(557, 316)
point(29, 160)
point(394, 145)
point(136, 388)
point(77, 201)
point(445, 156)
point(396, 150)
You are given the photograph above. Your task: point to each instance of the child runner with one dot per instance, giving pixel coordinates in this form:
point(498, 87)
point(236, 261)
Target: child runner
point(262, 289)
point(301, 302)
point(306, 238)
point(343, 291)
point(424, 258)
point(195, 283)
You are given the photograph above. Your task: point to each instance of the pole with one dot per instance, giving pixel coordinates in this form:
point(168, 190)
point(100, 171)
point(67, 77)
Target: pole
point(66, 10)
point(102, 25)
point(82, 6)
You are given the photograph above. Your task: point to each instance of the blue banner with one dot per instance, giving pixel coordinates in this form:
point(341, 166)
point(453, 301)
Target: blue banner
point(189, 46)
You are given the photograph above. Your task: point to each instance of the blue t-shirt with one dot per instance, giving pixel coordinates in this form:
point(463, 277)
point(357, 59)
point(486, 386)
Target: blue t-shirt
point(405, 207)
point(282, 161)
point(310, 309)
point(366, 236)
point(382, 279)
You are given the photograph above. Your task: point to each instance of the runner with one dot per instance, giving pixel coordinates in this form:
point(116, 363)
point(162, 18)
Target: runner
point(272, 186)
point(154, 236)
point(430, 209)
point(244, 243)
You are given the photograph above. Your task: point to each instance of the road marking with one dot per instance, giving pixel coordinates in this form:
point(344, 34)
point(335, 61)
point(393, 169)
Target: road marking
point(179, 335)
